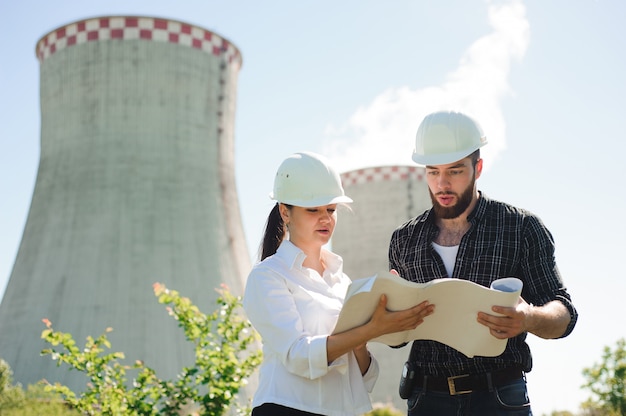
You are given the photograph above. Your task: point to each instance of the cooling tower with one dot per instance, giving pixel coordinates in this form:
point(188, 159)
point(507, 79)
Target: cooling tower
point(135, 185)
point(384, 198)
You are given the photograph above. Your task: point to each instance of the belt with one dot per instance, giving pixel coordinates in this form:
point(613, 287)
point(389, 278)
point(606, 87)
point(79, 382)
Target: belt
point(467, 383)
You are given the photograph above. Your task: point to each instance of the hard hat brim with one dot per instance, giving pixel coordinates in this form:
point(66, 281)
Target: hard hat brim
point(443, 158)
point(317, 202)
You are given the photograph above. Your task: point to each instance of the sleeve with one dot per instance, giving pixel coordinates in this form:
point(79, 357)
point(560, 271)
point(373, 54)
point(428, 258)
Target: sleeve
point(394, 251)
point(271, 309)
point(370, 377)
point(542, 280)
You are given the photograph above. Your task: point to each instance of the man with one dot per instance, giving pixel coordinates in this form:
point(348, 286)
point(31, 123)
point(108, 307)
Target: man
point(468, 236)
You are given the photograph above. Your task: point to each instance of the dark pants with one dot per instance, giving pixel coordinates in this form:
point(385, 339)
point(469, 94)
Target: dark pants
point(510, 399)
point(271, 409)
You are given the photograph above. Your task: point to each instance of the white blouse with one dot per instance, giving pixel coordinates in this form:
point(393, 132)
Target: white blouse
point(294, 309)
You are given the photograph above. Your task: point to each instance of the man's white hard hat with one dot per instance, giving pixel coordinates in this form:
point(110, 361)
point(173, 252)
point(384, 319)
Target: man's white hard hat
point(445, 137)
point(308, 180)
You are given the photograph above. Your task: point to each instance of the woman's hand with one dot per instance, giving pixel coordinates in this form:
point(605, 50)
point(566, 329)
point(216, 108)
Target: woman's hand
point(384, 321)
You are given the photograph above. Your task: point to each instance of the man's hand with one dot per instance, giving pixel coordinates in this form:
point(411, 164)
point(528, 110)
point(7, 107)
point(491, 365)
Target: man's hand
point(510, 322)
point(547, 321)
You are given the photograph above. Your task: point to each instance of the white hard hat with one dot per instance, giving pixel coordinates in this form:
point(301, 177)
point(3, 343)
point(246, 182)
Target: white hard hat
point(445, 137)
point(307, 180)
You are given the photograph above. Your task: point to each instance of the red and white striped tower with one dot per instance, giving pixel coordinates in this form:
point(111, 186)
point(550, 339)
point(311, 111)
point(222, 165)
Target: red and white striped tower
point(384, 198)
point(135, 185)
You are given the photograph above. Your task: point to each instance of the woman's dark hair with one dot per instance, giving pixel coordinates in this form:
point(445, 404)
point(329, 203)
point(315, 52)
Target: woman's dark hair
point(274, 232)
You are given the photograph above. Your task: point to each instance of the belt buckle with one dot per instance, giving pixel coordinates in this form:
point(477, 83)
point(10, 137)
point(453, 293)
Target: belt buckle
point(452, 386)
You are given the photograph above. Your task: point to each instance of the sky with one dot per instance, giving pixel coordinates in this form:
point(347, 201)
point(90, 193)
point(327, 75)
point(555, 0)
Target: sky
point(353, 79)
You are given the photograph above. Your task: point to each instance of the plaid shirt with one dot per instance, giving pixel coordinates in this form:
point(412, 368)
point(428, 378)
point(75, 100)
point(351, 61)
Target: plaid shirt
point(503, 241)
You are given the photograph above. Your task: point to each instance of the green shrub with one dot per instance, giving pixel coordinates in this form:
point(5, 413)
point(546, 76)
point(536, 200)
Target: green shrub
point(381, 409)
point(225, 357)
point(35, 401)
point(10, 396)
point(607, 382)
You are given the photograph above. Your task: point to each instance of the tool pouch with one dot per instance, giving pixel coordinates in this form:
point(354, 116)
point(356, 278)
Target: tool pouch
point(407, 380)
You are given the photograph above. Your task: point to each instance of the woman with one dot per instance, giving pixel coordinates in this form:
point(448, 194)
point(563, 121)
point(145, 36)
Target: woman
point(293, 298)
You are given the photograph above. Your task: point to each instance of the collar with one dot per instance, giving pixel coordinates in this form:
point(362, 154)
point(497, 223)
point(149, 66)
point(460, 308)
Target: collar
point(479, 210)
point(294, 257)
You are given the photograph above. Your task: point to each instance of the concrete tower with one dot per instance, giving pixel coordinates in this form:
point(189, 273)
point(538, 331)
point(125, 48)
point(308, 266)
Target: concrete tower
point(384, 198)
point(135, 185)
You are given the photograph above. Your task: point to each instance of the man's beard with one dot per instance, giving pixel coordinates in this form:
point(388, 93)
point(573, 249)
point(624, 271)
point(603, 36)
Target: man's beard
point(463, 201)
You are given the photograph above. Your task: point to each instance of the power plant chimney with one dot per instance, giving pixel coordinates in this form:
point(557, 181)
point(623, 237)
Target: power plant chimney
point(135, 185)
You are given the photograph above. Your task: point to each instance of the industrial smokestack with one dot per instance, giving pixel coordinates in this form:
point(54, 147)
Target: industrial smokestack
point(384, 198)
point(135, 185)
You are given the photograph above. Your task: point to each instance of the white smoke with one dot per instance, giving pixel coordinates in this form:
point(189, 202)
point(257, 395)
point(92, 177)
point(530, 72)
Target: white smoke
point(382, 132)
